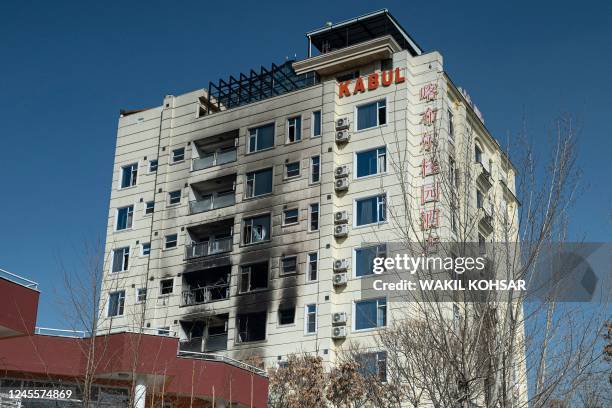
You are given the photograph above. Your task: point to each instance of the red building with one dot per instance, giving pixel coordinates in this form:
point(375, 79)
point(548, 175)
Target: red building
point(124, 369)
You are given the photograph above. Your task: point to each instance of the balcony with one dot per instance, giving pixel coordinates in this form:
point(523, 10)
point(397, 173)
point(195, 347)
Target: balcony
point(486, 219)
point(215, 150)
point(210, 239)
point(206, 285)
point(483, 177)
point(210, 344)
point(205, 336)
point(212, 194)
point(207, 248)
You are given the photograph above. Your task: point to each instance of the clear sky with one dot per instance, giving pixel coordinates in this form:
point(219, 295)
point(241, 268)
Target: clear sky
point(66, 68)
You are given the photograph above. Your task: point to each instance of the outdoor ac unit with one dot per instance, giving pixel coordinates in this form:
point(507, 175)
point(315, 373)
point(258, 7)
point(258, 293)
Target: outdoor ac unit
point(341, 171)
point(341, 217)
point(340, 231)
point(342, 136)
point(338, 332)
point(341, 265)
point(339, 318)
point(340, 279)
point(342, 184)
point(342, 123)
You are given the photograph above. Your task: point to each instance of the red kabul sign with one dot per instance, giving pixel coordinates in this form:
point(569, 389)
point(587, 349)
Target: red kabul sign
point(384, 78)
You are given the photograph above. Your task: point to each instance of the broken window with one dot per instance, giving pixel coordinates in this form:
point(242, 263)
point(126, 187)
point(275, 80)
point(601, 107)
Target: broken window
point(286, 314)
point(253, 277)
point(251, 327)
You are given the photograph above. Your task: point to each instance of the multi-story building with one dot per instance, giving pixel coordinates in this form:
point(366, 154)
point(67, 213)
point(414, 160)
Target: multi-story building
point(239, 212)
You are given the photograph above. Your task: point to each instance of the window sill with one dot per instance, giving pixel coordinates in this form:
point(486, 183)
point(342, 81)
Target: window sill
point(176, 162)
point(127, 188)
point(124, 230)
point(310, 334)
point(289, 178)
point(288, 143)
point(370, 128)
point(259, 151)
point(371, 329)
point(256, 197)
point(252, 291)
point(369, 176)
point(374, 224)
point(255, 243)
point(291, 224)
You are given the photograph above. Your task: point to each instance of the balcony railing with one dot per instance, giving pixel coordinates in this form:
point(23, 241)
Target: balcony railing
point(206, 248)
point(214, 159)
point(212, 202)
point(206, 294)
point(215, 342)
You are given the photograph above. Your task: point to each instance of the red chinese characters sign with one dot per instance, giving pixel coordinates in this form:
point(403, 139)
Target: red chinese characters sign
point(372, 82)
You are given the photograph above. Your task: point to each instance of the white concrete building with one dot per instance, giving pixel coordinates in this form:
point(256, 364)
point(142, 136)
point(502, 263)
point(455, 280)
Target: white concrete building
point(222, 225)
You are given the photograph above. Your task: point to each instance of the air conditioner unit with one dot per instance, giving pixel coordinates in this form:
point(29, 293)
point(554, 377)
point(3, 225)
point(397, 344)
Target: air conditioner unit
point(342, 184)
point(343, 136)
point(340, 279)
point(341, 171)
point(341, 265)
point(338, 332)
point(339, 318)
point(342, 123)
point(341, 217)
point(340, 231)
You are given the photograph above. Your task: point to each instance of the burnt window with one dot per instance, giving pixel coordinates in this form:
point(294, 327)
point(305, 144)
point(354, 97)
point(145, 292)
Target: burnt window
point(166, 286)
point(251, 327)
point(286, 314)
point(253, 277)
point(386, 64)
point(288, 264)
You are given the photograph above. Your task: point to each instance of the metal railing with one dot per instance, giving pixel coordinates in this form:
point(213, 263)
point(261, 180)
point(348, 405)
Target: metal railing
point(214, 159)
point(206, 294)
point(212, 202)
point(20, 280)
point(222, 359)
point(206, 248)
point(214, 342)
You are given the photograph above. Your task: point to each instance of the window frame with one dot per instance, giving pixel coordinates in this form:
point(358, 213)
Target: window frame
point(378, 156)
point(297, 216)
point(281, 266)
point(153, 165)
point(251, 217)
point(379, 252)
point(246, 183)
point(174, 155)
point(125, 264)
point(138, 297)
point(312, 168)
point(378, 124)
point(256, 128)
point(146, 208)
point(132, 176)
point(309, 263)
point(278, 316)
point(378, 307)
point(176, 241)
point(129, 217)
point(180, 196)
point(161, 287)
point(120, 306)
point(142, 249)
point(378, 205)
point(297, 126)
point(307, 315)
point(241, 273)
point(310, 213)
point(313, 122)
point(299, 170)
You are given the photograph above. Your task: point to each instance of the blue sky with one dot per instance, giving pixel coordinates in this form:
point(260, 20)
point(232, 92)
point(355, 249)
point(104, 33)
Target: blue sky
point(66, 70)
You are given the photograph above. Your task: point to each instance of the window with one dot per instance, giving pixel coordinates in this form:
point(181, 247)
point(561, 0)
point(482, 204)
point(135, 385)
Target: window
point(261, 138)
point(313, 266)
point(348, 76)
point(141, 295)
point(171, 241)
point(479, 199)
point(310, 319)
point(174, 197)
point(370, 314)
point(364, 259)
point(451, 126)
point(386, 64)
point(163, 331)
point(116, 303)
point(256, 229)
point(129, 174)
point(166, 286)
point(178, 155)
point(482, 244)
point(253, 277)
point(288, 264)
point(290, 216)
point(286, 315)
point(121, 258)
point(315, 169)
point(292, 169)
point(313, 217)
point(371, 162)
point(125, 216)
point(152, 166)
point(371, 115)
point(145, 248)
point(294, 129)
point(316, 123)
point(370, 210)
point(149, 207)
point(477, 154)
point(453, 175)
point(258, 183)
point(251, 327)
point(453, 220)
point(373, 365)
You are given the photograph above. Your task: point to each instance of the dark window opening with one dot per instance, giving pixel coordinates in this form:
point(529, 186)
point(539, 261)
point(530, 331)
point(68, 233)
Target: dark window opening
point(254, 277)
point(251, 327)
point(286, 314)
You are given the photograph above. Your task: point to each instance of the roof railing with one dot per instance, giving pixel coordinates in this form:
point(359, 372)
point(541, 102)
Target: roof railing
point(20, 280)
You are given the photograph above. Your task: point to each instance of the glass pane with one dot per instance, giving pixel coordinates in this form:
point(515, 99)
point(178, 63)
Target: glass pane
point(366, 163)
point(316, 126)
point(263, 182)
point(364, 258)
point(366, 314)
point(366, 116)
point(265, 136)
point(366, 211)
